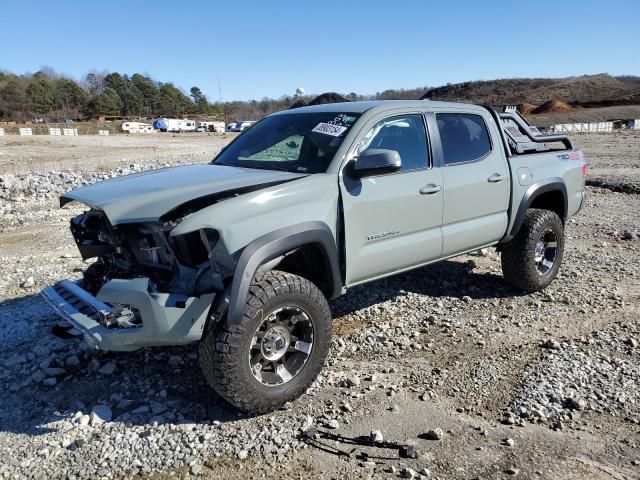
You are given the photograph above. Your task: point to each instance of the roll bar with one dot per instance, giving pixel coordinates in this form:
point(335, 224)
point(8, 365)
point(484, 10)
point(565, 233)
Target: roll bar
point(539, 138)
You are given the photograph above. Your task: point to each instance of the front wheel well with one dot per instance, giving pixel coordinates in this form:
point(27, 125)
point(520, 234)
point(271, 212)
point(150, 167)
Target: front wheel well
point(311, 262)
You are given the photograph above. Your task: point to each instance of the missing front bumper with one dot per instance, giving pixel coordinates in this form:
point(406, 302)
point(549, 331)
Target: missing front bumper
point(167, 319)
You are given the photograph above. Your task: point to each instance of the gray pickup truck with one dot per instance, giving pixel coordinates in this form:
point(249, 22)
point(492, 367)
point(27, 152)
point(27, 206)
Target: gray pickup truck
point(243, 253)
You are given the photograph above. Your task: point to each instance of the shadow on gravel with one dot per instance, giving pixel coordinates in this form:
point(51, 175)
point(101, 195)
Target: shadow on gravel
point(163, 385)
point(444, 279)
point(45, 379)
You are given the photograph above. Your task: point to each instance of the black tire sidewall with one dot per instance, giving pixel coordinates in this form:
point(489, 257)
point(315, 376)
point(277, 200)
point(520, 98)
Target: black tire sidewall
point(314, 363)
point(551, 222)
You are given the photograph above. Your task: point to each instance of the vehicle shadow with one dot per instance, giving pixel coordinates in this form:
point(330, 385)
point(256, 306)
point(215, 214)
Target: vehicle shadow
point(163, 385)
point(448, 278)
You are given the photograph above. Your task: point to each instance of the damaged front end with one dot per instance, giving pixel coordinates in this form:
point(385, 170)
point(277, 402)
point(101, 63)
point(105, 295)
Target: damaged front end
point(146, 287)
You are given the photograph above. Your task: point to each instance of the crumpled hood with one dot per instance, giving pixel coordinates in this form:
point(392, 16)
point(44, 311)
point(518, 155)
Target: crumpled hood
point(149, 195)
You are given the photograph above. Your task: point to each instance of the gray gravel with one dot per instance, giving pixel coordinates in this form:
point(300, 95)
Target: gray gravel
point(506, 383)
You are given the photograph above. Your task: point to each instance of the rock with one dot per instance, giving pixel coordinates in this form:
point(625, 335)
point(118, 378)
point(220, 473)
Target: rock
point(550, 344)
point(100, 414)
point(72, 361)
point(333, 424)
point(15, 359)
point(174, 360)
point(435, 434)
point(53, 371)
point(84, 420)
point(93, 365)
point(353, 381)
point(408, 451)
point(41, 351)
point(107, 368)
point(425, 472)
point(376, 436)
point(512, 471)
point(50, 382)
point(575, 403)
point(407, 472)
point(28, 283)
point(629, 235)
point(243, 454)
point(140, 410)
point(196, 469)
point(509, 442)
point(632, 342)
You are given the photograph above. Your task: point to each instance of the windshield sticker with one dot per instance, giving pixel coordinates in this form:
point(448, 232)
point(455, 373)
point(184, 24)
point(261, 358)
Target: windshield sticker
point(343, 119)
point(329, 129)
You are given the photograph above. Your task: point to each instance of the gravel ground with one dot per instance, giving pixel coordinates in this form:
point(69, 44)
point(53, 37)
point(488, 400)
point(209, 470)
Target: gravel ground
point(446, 363)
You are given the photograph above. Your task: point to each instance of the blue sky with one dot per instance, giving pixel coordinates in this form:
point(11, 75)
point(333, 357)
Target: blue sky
point(269, 48)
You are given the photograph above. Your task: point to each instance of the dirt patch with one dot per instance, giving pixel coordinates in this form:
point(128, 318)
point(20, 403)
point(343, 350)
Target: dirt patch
point(553, 106)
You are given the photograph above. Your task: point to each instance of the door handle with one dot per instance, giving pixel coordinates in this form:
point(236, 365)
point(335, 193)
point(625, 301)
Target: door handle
point(430, 189)
point(495, 178)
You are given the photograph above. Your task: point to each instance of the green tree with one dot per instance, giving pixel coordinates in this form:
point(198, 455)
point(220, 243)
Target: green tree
point(115, 81)
point(42, 96)
point(171, 101)
point(108, 103)
point(200, 100)
point(148, 90)
point(69, 97)
point(14, 99)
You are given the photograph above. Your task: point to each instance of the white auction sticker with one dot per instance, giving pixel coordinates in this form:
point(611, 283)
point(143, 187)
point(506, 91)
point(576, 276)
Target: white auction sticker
point(329, 129)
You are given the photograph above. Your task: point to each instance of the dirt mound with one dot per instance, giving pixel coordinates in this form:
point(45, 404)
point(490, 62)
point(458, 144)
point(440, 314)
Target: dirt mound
point(328, 97)
point(552, 106)
point(586, 91)
point(526, 108)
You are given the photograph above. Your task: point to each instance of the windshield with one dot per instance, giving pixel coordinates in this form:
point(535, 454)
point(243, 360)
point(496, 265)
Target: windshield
point(293, 142)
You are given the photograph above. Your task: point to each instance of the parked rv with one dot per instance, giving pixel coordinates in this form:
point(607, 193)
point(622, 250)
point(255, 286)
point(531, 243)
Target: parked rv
point(210, 126)
point(174, 125)
point(242, 126)
point(230, 127)
point(137, 127)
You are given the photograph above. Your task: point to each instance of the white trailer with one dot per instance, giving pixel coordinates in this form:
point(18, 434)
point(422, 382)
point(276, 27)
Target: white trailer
point(243, 125)
point(208, 126)
point(135, 127)
point(175, 125)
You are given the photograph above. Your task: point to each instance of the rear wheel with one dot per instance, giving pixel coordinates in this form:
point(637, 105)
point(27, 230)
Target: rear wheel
point(273, 355)
point(531, 260)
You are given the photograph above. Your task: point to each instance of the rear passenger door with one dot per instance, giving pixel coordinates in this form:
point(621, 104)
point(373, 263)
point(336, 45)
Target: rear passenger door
point(476, 180)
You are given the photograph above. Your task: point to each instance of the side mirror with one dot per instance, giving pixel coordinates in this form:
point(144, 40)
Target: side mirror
point(376, 161)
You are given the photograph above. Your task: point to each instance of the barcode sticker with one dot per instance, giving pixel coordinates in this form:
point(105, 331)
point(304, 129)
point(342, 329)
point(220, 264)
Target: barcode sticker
point(329, 129)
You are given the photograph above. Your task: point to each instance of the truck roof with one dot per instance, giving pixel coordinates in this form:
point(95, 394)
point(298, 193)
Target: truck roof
point(380, 105)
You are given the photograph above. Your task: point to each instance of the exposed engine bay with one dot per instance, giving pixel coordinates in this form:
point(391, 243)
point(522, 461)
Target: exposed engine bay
point(186, 265)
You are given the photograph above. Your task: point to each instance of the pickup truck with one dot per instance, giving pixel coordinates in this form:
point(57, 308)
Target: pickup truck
point(243, 254)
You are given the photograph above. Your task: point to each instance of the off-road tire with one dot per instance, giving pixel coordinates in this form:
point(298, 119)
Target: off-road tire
point(518, 255)
point(224, 350)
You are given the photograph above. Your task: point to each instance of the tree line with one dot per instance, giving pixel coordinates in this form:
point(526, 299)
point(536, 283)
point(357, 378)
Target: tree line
point(54, 97)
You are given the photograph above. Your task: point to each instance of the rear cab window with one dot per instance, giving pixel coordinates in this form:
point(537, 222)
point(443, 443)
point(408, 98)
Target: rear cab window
point(464, 137)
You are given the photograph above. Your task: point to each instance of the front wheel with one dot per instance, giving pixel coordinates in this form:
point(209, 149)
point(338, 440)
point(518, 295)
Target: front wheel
point(531, 260)
point(277, 350)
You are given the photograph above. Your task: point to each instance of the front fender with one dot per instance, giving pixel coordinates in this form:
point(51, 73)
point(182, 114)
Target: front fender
point(271, 246)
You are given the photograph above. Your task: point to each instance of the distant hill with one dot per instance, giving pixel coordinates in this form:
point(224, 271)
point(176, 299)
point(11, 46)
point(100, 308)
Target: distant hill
point(584, 91)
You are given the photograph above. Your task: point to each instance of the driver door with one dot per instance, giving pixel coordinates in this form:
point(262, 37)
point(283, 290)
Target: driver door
point(393, 222)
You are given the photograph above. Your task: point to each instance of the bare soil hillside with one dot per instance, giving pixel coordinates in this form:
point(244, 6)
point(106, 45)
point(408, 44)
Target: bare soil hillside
point(587, 90)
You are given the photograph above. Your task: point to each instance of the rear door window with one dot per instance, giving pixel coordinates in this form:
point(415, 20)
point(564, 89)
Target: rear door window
point(464, 137)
